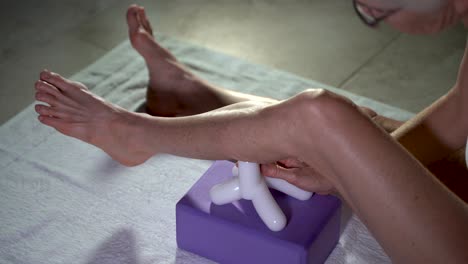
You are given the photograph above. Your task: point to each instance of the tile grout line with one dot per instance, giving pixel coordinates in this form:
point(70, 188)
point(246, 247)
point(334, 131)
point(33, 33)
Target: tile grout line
point(355, 72)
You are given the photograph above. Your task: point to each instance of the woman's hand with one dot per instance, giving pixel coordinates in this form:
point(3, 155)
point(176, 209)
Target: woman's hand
point(299, 174)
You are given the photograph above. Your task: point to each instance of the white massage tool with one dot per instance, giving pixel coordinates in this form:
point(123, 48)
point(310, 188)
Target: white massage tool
point(249, 184)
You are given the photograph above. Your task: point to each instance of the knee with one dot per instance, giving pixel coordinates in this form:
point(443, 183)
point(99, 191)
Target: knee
point(311, 112)
point(318, 107)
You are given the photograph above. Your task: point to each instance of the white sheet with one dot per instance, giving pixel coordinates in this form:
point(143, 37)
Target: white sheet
point(64, 201)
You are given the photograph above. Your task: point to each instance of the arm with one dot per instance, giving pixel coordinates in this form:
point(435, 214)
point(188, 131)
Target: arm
point(437, 131)
point(441, 128)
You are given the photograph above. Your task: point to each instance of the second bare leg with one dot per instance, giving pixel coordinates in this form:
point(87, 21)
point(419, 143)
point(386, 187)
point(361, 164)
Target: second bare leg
point(175, 91)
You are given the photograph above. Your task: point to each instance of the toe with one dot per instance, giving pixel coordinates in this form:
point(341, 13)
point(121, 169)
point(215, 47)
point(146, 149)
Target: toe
point(57, 112)
point(46, 98)
point(56, 123)
point(45, 75)
point(132, 19)
point(59, 82)
point(46, 110)
point(47, 88)
point(144, 20)
point(44, 87)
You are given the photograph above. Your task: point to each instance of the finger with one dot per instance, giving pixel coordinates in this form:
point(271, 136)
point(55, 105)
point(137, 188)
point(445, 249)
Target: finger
point(291, 163)
point(305, 179)
point(275, 171)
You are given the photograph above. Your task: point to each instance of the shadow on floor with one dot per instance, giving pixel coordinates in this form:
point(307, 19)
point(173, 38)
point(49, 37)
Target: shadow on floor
point(120, 248)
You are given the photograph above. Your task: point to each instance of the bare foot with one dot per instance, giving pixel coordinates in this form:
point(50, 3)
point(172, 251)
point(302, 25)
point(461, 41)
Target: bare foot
point(76, 112)
point(172, 90)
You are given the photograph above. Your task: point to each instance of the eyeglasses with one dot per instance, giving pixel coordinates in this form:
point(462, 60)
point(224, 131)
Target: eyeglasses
point(372, 16)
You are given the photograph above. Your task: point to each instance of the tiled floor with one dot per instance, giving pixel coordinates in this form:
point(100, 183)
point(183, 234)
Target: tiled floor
point(317, 39)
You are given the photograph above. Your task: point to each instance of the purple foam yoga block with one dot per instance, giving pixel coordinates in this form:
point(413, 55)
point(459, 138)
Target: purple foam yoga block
point(234, 233)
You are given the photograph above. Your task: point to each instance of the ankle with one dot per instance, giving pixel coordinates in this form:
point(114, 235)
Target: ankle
point(141, 133)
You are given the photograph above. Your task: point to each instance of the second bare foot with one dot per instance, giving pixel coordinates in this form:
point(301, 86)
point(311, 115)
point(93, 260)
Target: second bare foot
point(172, 90)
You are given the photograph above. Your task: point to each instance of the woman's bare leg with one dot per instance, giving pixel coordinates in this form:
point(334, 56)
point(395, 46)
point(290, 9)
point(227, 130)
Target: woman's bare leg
point(74, 111)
